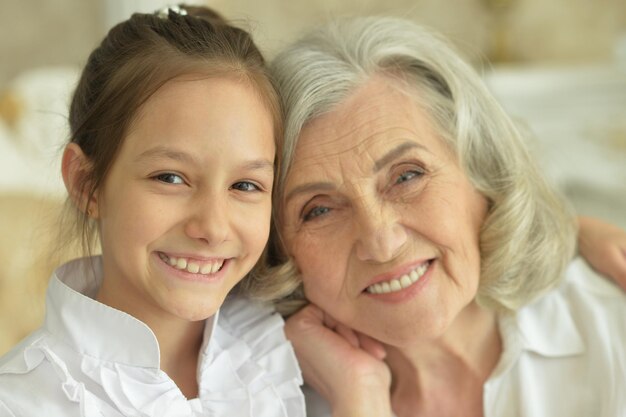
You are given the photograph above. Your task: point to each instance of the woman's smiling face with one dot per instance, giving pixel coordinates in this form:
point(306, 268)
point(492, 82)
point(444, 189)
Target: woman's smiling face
point(381, 220)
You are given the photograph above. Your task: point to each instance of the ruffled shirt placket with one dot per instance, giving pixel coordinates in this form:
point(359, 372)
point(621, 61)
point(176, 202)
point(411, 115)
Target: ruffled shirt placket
point(108, 361)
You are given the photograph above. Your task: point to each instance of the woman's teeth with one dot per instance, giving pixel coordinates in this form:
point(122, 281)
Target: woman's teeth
point(398, 284)
point(191, 266)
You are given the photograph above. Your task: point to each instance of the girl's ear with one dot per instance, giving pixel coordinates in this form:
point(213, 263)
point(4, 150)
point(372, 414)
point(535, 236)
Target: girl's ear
point(75, 167)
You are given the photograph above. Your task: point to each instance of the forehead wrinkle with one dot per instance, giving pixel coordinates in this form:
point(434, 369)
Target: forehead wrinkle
point(315, 152)
point(327, 136)
point(323, 178)
point(346, 167)
point(350, 134)
point(347, 120)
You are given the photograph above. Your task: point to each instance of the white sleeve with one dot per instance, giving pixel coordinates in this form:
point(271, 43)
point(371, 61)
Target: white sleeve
point(4, 410)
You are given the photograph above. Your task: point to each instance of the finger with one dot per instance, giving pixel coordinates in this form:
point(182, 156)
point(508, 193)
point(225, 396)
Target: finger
point(329, 321)
point(348, 334)
point(344, 331)
point(309, 319)
point(372, 346)
point(312, 311)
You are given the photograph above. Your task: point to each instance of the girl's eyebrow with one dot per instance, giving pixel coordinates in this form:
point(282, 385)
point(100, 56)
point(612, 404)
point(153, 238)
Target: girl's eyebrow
point(160, 152)
point(163, 152)
point(259, 165)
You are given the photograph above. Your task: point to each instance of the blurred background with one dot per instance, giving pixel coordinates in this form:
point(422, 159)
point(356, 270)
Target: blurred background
point(558, 66)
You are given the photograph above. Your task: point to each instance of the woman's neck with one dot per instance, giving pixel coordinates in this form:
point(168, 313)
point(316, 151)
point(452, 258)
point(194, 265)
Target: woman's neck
point(446, 376)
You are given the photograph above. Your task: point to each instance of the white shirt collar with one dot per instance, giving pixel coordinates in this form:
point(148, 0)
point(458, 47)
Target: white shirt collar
point(546, 329)
point(549, 330)
point(73, 315)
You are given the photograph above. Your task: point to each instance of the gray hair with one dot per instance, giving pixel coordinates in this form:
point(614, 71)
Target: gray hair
point(528, 236)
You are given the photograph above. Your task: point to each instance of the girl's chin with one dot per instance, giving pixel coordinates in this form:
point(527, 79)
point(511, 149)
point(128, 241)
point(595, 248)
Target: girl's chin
point(194, 311)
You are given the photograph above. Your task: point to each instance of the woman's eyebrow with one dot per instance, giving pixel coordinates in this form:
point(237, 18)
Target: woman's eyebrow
point(378, 165)
point(305, 188)
point(394, 153)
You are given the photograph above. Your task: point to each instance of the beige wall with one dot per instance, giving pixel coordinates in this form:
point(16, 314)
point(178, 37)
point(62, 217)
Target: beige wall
point(54, 32)
point(531, 30)
point(46, 32)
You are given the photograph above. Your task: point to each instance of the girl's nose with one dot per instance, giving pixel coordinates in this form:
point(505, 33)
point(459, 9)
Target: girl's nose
point(209, 220)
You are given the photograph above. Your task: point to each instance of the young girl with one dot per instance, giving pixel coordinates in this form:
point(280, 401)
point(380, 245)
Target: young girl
point(174, 128)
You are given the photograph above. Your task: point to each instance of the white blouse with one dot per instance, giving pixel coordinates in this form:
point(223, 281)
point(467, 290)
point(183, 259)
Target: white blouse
point(563, 355)
point(91, 360)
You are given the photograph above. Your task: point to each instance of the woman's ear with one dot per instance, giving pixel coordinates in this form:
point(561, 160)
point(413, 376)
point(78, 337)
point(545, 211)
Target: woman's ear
point(75, 167)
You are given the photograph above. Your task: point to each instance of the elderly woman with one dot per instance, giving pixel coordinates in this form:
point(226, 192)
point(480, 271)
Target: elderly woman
point(435, 256)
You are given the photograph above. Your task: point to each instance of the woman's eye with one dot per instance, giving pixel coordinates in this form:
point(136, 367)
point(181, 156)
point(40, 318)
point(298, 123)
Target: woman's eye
point(170, 178)
point(315, 212)
point(408, 176)
point(245, 186)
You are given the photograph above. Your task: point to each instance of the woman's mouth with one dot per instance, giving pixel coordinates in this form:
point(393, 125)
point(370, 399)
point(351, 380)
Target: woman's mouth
point(401, 282)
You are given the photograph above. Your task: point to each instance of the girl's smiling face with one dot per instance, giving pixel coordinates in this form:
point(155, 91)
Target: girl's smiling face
point(381, 220)
point(184, 212)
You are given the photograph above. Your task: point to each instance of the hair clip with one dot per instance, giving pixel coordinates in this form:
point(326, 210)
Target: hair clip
point(164, 13)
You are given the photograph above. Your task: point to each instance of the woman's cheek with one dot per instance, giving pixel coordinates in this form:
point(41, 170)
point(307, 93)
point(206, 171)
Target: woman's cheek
point(319, 289)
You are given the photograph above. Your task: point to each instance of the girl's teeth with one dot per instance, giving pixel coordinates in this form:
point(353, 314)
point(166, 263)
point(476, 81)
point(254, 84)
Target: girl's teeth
point(398, 283)
point(193, 267)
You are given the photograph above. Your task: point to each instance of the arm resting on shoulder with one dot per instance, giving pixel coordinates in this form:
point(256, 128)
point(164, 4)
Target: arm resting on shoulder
point(603, 246)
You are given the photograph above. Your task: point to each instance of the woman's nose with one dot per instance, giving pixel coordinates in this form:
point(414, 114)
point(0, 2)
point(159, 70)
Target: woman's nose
point(380, 234)
point(209, 219)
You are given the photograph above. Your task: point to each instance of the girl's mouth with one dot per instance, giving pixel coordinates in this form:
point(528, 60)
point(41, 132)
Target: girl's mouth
point(193, 266)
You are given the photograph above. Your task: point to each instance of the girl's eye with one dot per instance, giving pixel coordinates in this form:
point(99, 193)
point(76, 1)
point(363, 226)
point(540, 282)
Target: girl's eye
point(170, 178)
point(245, 186)
point(408, 176)
point(315, 212)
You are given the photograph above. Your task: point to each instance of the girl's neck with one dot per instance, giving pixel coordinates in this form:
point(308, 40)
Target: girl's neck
point(179, 344)
point(179, 340)
point(446, 376)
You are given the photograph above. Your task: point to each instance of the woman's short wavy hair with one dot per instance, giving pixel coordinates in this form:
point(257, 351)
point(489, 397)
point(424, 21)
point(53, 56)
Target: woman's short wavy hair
point(528, 236)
